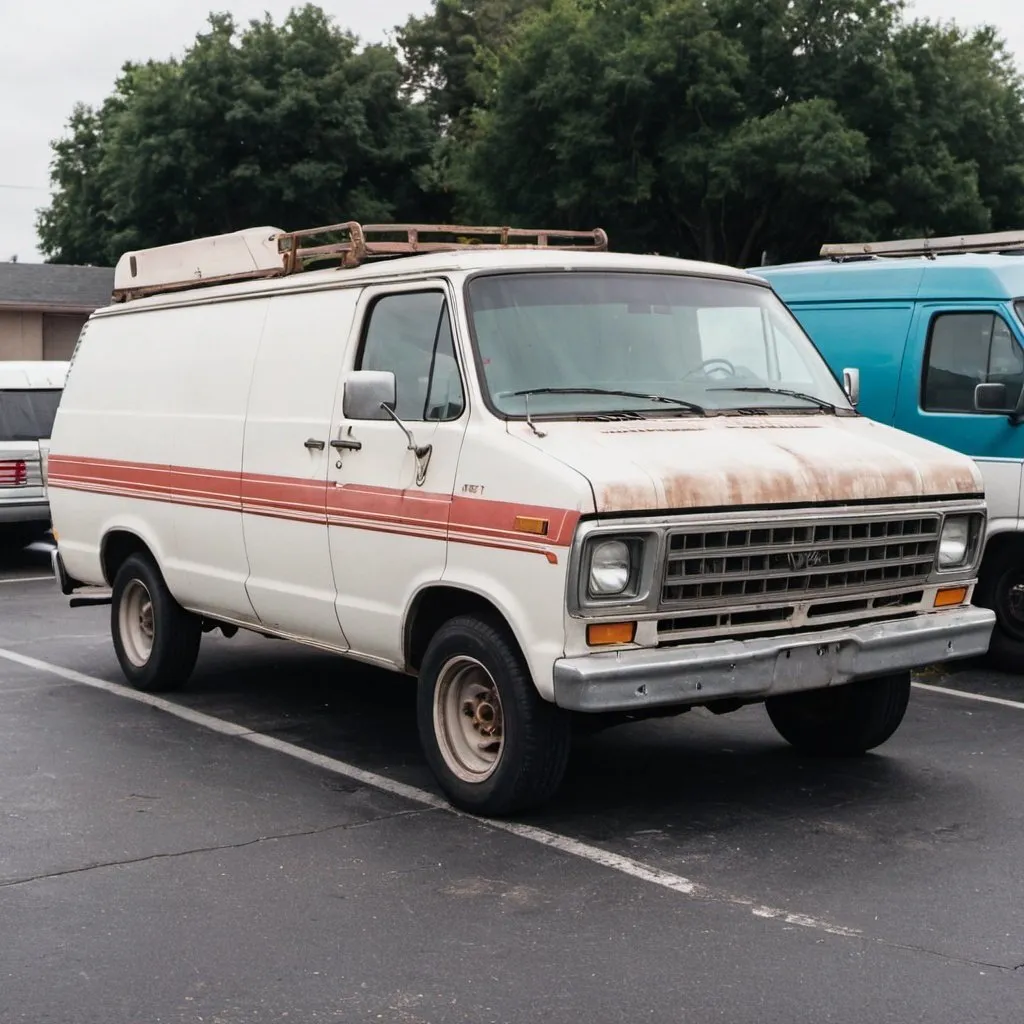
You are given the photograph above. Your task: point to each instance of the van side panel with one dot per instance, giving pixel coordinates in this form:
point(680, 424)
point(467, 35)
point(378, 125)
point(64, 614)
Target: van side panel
point(867, 336)
point(149, 439)
point(119, 411)
point(217, 344)
point(286, 460)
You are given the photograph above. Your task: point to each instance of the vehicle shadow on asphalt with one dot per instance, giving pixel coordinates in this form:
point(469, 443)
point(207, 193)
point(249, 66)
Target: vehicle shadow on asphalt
point(697, 773)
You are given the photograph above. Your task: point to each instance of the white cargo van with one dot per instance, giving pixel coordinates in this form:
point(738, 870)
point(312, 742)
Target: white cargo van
point(29, 395)
point(551, 481)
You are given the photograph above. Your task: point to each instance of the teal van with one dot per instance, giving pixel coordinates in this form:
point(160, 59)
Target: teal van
point(928, 335)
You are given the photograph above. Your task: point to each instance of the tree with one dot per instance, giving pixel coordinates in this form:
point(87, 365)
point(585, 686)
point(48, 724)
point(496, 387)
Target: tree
point(724, 128)
point(291, 125)
point(447, 51)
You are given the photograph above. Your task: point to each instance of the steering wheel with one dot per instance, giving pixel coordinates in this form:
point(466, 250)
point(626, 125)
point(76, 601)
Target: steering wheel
point(710, 366)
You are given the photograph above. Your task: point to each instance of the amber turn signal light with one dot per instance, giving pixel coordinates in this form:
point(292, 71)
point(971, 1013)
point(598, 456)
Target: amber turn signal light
point(605, 633)
point(950, 596)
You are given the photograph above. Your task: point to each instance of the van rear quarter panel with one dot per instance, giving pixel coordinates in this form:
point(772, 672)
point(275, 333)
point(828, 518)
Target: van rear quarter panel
point(870, 337)
point(149, 439)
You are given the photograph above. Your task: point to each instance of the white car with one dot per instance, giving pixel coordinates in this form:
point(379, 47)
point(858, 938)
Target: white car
point(30, 393)
point(546, 479)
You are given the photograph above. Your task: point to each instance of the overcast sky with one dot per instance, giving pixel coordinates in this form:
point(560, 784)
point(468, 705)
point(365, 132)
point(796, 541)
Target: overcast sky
point(54, 53)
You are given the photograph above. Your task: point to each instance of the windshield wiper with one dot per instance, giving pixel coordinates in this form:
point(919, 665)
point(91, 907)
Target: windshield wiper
point(819, 402)
point(666, 399)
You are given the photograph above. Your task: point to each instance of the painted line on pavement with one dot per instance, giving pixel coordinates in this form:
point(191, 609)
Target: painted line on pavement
point(26, 579)
point(967, 695)
point(564, 844)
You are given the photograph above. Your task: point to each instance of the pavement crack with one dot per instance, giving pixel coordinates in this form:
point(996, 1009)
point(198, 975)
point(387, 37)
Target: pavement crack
point(950, 957)
point(99, 865)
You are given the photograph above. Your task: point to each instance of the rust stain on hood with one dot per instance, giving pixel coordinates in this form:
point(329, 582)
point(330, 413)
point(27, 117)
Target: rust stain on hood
point(764, 460)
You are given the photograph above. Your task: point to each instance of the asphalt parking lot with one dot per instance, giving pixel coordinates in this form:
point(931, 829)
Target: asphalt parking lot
point(269, 846)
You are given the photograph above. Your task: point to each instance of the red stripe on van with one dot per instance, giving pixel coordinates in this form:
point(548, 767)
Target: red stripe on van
point(477, 521)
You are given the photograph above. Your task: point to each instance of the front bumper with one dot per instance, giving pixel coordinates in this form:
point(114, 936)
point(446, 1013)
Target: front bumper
point(754, 669)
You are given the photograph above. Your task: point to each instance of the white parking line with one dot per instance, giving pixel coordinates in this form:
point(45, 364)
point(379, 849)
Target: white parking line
point(565, 844)
point(967, 695)
point(27, 579)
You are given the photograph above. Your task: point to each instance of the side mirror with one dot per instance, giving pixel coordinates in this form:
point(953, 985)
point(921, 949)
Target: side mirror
point(851, 385)
point(992, 398)
point(365, 391)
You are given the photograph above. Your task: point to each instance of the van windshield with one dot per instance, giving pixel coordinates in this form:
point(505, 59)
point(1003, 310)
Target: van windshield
point(680, 345)
point(28, 415)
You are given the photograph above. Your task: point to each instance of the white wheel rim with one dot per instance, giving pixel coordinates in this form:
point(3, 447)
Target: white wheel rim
point(135, 623)
point(468, 720)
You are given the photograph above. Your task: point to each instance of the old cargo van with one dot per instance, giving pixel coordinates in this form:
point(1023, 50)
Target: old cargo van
point(546, 479)
point(934, 328)
point(29, 395)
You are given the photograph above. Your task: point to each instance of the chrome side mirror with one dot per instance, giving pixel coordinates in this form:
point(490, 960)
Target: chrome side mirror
point(369, 394)
point(851, 385)
point(992, 398)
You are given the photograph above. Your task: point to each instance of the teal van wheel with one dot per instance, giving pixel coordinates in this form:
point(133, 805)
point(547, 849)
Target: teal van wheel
point(1002, 590)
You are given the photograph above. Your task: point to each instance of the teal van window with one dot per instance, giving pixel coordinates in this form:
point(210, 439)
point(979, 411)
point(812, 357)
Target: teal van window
point(965, 350)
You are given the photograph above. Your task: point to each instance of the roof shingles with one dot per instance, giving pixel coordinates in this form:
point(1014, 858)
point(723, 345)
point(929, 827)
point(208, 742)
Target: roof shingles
point(55, 285)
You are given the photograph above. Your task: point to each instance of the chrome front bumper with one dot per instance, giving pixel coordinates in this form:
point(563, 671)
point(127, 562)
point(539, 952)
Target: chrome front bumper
point(755, 669)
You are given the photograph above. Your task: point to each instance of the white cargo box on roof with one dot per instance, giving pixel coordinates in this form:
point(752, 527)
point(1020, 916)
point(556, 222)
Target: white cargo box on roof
point(242, 255)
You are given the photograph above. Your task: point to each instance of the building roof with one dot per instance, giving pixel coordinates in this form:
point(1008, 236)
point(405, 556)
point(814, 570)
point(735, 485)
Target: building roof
point(54, 287)
point(989, 276)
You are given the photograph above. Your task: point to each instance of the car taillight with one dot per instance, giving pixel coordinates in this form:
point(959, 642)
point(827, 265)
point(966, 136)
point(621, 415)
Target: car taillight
point(13, 473)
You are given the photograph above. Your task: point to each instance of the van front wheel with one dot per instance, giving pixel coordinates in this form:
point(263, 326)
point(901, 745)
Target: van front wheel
point(494, 744)
point(842, 721)
point(155, 639)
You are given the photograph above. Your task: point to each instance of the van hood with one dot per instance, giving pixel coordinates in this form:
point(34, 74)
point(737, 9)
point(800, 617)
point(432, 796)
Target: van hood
point(727, 461)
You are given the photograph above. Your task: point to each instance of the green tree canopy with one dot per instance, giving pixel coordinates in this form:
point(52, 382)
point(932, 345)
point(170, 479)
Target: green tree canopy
point(291, 125)
point(722, 128)
point(448, 50)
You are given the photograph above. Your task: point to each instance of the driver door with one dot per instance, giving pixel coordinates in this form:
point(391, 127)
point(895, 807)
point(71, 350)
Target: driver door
point(388, 510)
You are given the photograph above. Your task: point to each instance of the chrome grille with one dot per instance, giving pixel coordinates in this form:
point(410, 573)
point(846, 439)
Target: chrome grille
point(802, 561)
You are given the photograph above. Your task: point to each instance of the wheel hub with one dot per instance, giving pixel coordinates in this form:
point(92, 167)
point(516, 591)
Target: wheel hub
point(136, 623)
point(468, 719)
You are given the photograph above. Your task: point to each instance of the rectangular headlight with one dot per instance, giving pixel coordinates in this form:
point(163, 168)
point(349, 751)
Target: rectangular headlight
point(955, 542)
point(612, 567)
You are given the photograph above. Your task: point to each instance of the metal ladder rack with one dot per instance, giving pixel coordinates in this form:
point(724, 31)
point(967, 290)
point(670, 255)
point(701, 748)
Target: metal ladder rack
point(997, 242)
point(268, 252)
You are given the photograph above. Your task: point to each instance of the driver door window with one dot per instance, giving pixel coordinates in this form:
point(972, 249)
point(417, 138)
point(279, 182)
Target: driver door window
point(964, 350)
point(410, 334)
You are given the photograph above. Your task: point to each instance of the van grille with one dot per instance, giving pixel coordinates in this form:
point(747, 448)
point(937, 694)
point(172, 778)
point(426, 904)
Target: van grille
point(762, 564)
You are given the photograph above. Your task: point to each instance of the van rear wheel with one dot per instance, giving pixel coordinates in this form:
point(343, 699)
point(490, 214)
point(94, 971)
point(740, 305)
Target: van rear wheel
point(155, 639)
point(494, 744)
point(842, 721)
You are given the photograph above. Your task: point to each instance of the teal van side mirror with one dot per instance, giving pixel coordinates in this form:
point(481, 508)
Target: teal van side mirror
point(851, 385)
point(991, 398)
point(996, 398)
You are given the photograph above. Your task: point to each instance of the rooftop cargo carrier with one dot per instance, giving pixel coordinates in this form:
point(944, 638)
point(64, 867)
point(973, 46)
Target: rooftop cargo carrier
point(270, 252)
point(1001, 241)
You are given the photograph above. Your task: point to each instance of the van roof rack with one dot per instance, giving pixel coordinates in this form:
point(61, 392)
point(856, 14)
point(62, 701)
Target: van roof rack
point(1002, 241)
point(270, 252)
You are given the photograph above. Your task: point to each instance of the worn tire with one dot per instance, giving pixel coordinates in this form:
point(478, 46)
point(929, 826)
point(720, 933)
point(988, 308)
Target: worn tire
point(535, 734)
point(842, 721)
point(175, 633)
point(995, 590)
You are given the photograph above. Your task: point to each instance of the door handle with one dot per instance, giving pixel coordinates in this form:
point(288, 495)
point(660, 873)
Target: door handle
point(346, 444)
point(314, 445)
